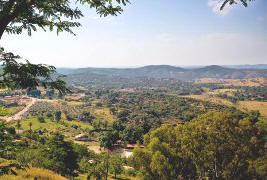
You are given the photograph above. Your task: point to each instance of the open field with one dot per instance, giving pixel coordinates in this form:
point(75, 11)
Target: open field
point(253, 105)
point(241, 105)
point(33, 173)
point(65, 127)
point(211, 98)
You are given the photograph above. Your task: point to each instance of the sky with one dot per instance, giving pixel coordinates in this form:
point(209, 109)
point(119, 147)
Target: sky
point(154, 32)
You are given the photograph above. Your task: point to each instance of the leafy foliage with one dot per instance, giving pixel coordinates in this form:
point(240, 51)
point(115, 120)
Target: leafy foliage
point(19, 15)
point(216, 145)
point(17, 75)
point(5, 140)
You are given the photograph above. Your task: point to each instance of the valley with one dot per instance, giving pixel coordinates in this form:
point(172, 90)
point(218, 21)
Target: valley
point(117, 118)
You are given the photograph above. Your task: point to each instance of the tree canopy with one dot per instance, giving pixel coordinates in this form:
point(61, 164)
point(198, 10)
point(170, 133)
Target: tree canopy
point(215, 145)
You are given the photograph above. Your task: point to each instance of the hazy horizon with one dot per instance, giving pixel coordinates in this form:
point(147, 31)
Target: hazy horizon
point(182, 66)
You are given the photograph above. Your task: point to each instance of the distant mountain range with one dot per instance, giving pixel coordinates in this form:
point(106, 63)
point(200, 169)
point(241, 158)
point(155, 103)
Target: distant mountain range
point(166, 71)
point(248, 66)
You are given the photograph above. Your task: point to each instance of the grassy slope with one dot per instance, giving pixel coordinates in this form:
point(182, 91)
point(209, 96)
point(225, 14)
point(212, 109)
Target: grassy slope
point(241, 105)
point(29, 174)
point(10, 111)
point(65, 126)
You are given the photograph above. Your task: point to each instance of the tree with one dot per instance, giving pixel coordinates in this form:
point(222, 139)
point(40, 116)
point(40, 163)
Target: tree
point(5, 140)
point(215, 145)
point(86, 117)
point(19, 15)
point(41, 119)
point(29, 76)
point(30, 125)
point(31, 157)
point(18, 125)
point(34, 93)
point(108, 139)
point(49, 114)
point(58, 116)
point(99, 170)
point(60, 155)
point(96, 124)
point(116, 165)
point(113, 110)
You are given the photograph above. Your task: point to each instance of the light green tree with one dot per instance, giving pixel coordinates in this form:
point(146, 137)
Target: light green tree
point(216, 145)
point(116, 165)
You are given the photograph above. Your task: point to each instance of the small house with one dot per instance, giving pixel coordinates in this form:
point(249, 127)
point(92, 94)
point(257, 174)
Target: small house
point(132, 146)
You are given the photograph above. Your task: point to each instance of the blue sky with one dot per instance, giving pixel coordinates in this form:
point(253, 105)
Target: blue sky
point(175, 32)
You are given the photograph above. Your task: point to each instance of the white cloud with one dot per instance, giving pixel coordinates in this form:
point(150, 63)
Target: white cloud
point(215, 6)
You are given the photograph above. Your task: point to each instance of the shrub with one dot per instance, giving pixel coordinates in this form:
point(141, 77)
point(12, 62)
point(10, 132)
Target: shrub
point(130, 172)
point(41, 119)
point(99, 104)
point(58, 115)
point(49, 114)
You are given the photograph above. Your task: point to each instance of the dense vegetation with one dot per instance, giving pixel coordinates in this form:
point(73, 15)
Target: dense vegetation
point(246, 93)
point(53, 152)
point(191, 138)
point(139, 113)
point(216, 145)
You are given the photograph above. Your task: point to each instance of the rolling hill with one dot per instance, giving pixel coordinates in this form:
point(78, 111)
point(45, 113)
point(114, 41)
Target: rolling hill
point(155, 73)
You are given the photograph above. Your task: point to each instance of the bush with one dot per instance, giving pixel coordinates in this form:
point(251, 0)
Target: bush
point(130, 172)
point(58, 115)
point(41, 119)
point(49, 115)
point(74, 126)
point(11, 130)
point(99, 104)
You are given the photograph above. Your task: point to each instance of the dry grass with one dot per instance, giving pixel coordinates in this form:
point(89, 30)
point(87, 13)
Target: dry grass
point(211, 98)
point(226, 91)
point(253, 105)
point(96, 149)
point(103, 114)
point(241, 105)
point(52, 126)
point(40, 174)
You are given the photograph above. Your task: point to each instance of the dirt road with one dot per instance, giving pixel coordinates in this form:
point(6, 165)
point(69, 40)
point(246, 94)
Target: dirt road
point(19, 115)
